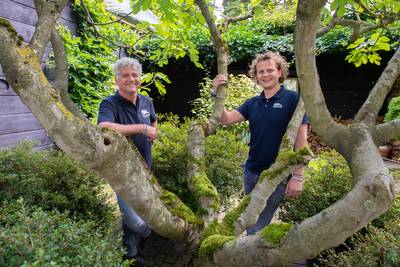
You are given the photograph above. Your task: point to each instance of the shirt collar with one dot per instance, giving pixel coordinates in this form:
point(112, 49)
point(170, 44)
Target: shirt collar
point(277, 95)
point(126, 100)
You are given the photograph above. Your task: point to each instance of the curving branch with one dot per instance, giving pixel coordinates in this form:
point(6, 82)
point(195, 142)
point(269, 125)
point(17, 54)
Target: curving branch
point(307, 23)
point(359, 27)
point(381, 89)
point(221, 51)
point(106, 152)
point(229, 20)
point(48, 13)
point(386, 131)
point(61, 73)
point(203, 190)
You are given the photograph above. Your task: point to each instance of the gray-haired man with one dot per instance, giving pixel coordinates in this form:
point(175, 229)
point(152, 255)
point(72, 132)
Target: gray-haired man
point(133, 115)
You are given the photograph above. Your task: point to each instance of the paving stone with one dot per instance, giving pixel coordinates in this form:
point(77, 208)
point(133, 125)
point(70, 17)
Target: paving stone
point(159, 259)
point(167, 248)
point(172, 257)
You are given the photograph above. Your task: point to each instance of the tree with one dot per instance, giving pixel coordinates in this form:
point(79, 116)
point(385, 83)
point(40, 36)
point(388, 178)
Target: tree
point(111, 156)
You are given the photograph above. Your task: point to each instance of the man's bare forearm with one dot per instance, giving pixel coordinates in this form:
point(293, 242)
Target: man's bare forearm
point(124, 129)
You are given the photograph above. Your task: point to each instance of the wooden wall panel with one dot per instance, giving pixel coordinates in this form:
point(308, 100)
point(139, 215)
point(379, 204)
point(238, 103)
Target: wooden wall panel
point(17, 12)
point(12, 105)
point(38, 136)
point(17, 123)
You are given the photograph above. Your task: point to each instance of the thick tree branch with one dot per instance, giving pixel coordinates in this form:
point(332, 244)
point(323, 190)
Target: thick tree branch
point(201, 187)
point(386, 131)
point(48, 13)
point(377, 95)
point(359, 27)
point(229, 20)
point(371, 196)
point(307, 23)
point(61, 73)
point(106, 152)
point(222, 64)
point(306, 240)
point(269, 179)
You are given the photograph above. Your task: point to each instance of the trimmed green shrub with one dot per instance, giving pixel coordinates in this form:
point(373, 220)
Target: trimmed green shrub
point(378, 247)
point(240, 88)
point(30, 236)
point(51, 180)
point(327, 179)
point(224, 155)
point(224, 159)
point(393, 109)
point(170, 158)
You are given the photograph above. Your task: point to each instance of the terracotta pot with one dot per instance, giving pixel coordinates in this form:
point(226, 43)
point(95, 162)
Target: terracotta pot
point(385, 151)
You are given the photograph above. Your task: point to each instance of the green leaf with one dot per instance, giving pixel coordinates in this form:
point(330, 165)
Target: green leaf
point(160, 87)
point(146, 4)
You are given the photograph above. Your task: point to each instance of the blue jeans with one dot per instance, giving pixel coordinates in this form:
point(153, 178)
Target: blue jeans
point(134, 228)
point(250, 180)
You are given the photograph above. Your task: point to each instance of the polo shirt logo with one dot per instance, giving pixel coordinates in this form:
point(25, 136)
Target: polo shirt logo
point(145, 113)
point(277, 105)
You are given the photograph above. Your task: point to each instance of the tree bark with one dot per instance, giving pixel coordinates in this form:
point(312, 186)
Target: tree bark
point(48, 14)
point(62, 74)
point(377, 95)
point(104, 151)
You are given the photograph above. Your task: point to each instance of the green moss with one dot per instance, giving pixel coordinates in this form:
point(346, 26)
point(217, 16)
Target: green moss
point(271, 174)
point(213, 243)
point(203, 187)
point(274, 233)
point(153, 179)
point(64, 110)
point(200, 163)
point(178, 208)
point(227, 226)
point(8, 26)
point(287, 158)
point(210, 230)
point(5, 23)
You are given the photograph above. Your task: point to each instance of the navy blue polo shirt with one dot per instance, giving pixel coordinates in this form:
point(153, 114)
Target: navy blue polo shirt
point(117, 109)
point(268, 120)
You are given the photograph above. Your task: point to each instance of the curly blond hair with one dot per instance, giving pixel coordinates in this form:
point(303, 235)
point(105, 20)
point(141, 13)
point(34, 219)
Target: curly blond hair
point(279, 60)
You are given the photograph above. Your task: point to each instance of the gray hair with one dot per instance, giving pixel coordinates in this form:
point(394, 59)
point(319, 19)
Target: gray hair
point(127, 62)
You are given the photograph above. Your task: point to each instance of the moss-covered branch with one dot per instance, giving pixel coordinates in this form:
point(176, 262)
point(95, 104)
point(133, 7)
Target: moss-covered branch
point(201, 187)
point(286, 162)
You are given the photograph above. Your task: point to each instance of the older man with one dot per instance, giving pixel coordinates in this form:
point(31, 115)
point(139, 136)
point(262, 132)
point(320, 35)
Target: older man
point(268, 115)
point(133, 115)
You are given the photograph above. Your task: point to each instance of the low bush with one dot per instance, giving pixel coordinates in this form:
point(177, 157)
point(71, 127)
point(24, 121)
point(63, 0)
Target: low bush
point(393, 109)
point(31, 236)
point(240, 88)
point(375, 247)
point(51, 180)
point(327, 179)
point(224, 155)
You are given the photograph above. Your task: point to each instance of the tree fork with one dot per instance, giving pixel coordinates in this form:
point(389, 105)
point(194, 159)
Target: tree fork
point(106, 152)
